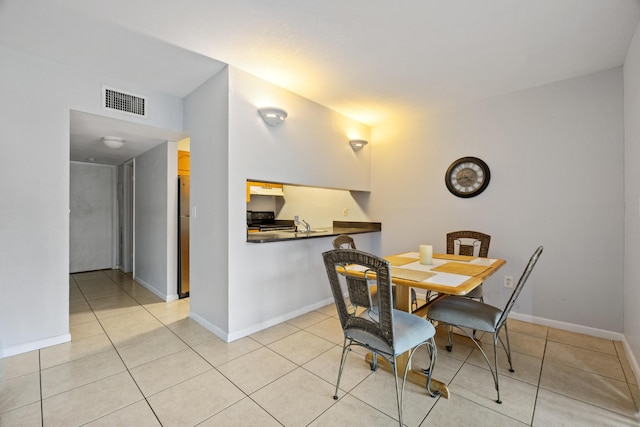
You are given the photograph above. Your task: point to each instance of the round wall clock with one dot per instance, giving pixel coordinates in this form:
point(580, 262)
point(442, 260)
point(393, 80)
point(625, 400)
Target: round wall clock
point(467, 177)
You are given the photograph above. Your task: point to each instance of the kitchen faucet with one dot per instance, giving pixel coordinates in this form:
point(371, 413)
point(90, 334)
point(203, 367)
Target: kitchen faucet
point(306, 224)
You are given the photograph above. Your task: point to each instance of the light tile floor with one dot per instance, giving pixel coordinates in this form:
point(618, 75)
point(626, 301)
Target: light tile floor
point(135, 360)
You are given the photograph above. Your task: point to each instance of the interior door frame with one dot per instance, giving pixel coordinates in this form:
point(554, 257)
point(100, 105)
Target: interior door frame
point(127, 260)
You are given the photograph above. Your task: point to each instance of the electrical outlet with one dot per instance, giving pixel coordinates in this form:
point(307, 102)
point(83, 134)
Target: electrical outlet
point(508, 281)
point(345, 212)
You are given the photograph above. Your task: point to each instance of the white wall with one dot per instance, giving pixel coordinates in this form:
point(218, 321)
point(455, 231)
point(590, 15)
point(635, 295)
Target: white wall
point(556, 157)
point(319, 206)
point(237, 287)
point(37, 96)
point(206, 118)
point(156, 220)
point(92, 231)
point(632, 197)
point(271, 282)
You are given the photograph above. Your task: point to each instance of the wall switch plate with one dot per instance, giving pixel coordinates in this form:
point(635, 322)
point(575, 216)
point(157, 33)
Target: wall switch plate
point(345, 212)
point(508, 281)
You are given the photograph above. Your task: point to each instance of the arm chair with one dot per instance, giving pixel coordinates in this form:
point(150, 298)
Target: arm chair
point(384, 331)
point(470, 243)
point(471, 314)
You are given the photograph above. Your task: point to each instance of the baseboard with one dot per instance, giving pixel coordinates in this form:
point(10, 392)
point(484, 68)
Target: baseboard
point(35, 345)
point(279, 319)
point(232, 336)
point(571, 327)
point(147, 286)
point(209, 326)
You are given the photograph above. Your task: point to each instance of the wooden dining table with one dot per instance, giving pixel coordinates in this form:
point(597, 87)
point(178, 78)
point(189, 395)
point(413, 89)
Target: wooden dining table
point(447, 275)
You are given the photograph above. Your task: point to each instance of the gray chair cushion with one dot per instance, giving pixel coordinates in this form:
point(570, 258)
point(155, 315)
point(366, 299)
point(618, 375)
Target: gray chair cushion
point(465, 312)
point(408, 331)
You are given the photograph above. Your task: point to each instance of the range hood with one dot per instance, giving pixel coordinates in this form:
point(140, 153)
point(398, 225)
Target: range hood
point(266, 190)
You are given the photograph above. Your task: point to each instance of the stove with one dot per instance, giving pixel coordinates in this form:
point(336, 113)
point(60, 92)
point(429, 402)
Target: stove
point(258, 221)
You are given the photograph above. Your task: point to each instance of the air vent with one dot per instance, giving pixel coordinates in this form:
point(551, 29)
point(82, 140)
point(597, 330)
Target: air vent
point(125, 102)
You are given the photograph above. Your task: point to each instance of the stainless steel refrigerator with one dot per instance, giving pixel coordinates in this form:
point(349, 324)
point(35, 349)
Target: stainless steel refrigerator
point(183, 236)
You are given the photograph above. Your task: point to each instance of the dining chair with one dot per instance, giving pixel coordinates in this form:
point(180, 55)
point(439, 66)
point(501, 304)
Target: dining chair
point(381, 329)
point(470, 243)
point(344, 242)
point(454, 311)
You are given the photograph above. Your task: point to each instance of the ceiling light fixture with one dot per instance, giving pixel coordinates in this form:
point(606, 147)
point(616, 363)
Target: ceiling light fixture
point(113, 141)
point(357, 144)
point(272, 116)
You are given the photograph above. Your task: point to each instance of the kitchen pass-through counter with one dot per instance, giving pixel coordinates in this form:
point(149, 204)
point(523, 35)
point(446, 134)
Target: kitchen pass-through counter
point(339, 227)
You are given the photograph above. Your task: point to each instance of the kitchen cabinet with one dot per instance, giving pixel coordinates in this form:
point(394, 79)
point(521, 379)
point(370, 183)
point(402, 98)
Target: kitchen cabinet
point(263, 188)
point(184, 163)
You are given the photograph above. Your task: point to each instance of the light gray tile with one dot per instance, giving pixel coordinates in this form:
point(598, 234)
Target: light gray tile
point(329, 329)
point(75, 349)
point(218, 352)
point(274, 333)
point(256, 369)
point(307, 319)
point(151, 346)
point(584, 359)
point(295, 399)
point(476, 384)
point(603, 392)
point(624, 361)
point(92, 401)
point(190, 331)
point(85, 329)
point(160, 374)
point(138, 414)
point(458, 411)
point(301, 347)
point(357, 412)
point(327, 365)
point(557, 410)
point(25, 416)
point(522, 343)
point(527, 328)
point(581, 340)
point(19, 391)
point(526, 368)
point(195, 400)
point(378, 390)
point(245, 413)
point(19, 365)
point(64, 377)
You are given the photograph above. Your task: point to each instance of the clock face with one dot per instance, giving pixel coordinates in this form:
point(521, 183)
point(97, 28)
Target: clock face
point(467, 177)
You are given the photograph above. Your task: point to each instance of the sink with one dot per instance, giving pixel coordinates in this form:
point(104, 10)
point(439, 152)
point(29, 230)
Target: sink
point(307, 232)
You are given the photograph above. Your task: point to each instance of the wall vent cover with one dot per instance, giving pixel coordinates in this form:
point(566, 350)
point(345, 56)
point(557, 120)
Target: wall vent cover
point(126, 102)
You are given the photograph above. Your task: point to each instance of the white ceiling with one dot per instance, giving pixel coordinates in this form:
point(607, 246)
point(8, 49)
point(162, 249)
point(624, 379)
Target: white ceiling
point(373, 60)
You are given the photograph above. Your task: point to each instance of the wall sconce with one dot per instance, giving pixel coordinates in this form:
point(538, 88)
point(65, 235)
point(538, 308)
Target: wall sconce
point(272, 116)
point(113, 141)
point(357, 144)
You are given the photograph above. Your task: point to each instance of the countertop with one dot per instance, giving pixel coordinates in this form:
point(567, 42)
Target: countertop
point(339, 227)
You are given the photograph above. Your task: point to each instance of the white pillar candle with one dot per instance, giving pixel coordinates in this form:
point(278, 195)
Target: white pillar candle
point(426, 254)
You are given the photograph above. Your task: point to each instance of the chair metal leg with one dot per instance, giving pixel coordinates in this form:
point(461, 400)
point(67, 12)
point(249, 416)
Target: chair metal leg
point(495, 359)
point(449, 329)
point(507, 348)
point(399, 394)
point(345, 350)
